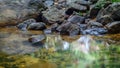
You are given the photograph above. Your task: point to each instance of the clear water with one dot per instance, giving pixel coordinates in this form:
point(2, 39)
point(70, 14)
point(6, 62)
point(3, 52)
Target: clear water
point(14, 42)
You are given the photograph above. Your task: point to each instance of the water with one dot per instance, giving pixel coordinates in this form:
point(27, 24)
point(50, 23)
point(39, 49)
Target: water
point(84, 52)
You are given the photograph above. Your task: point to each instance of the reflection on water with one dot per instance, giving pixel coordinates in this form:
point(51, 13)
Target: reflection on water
point(82, 53)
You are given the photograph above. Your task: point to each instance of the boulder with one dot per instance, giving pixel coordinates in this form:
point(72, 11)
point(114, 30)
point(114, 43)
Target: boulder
point(36, 39)
point(95, 31)
point(105, 19)
point(69, 29)
point(23, 26)
point(82, 6)
point(113, 27)
point(76, 19)
point(15, 11)
point(54, 14)
point(109, 14)
point(93, 12)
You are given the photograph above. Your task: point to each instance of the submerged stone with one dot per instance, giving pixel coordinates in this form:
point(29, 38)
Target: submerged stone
point(36, 38)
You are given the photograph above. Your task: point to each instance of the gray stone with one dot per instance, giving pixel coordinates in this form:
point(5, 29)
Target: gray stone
point(37, 26)
point(36, 38)
point(113, 27)
point(95, 31)
point(76, 19)
point(14, 11)
point(23, 26)
point(47, 31)
point(109, 14)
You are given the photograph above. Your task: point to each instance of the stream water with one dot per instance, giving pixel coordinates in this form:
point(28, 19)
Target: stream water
point(105, 52)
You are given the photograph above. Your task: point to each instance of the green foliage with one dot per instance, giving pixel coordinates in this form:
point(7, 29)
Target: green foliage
point(115, 0)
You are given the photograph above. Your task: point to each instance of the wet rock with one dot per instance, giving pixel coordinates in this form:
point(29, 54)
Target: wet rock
point(14, 11)
point(95, 31)
point(76, 19)
point(23, 26)
point(47, 31)
point(113, 27)
point(37, 26)
point(112, 12)
point(36, 39)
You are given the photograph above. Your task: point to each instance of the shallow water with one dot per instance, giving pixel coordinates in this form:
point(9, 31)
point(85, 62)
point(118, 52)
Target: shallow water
point(15, 43)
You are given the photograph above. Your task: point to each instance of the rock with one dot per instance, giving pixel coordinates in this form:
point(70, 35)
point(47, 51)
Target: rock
point(47, 31)
point(36, 39)
point(113, 27)
point(37, 26)
point(61, 3)
point(36, 4)
point(41, 18)
point(14, 11)
point(95, 31)
point(111, 13)
point(81, 5)
point(76, 19)
point(49, 3)
point(93, 12)
point(70, 29)
point(23, 26)
point(105, 19)
point(93, 24)
point(82, 27)
point(81, 8)
point(53, 27)
point(54, 14)
point(29, 21)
